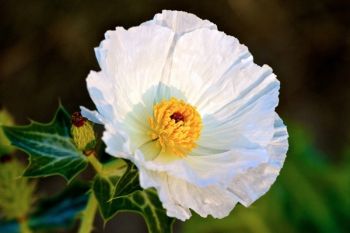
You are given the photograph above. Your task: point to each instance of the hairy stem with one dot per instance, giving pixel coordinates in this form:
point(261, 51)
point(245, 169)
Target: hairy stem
point(88, 215)
point(94, 162)
point(116, 167)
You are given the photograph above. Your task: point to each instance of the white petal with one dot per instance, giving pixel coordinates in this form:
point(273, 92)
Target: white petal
point(102, 94)
point(93, 116)
point(178, 196)
point(180, 22)
point(132, 63)
point(207, 169)
point(257, 181)
point(134, 59)
point(246, 115)
point(118, 143)
point(199, 61)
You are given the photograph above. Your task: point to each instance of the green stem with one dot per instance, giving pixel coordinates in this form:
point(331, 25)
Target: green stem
point(88, 216)
point(23, 226)
point(116, 167)
point(94, 162)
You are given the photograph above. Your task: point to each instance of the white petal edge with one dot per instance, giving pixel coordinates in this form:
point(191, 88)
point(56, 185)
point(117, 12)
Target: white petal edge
point(199, 61)
point(118, 143)
point(180, 22)
point(91, 115)
point(102, 94)
point(255, 182)
point(209, 169)
point(247, 114)
point(179, 196)
point(133, 60)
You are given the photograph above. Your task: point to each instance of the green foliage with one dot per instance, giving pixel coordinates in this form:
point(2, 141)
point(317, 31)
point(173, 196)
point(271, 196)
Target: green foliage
point(50, 146)
point(310, 195)
point(58, 212)
point(16, 192)
point(115, 194)
point(5, 145)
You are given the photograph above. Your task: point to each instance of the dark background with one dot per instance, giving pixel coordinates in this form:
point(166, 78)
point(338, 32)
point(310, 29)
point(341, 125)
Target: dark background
point(46, 52)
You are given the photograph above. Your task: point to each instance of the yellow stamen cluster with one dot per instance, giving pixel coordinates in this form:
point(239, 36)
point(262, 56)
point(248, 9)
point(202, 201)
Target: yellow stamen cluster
point(176, 126)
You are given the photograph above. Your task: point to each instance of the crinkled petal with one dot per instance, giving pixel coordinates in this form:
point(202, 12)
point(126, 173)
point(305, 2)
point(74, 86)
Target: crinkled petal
point(102, 94)
point(91, 115)
point(255, 182)
point(180, 22)
point(117, 142)
point(199, 61)
point(208, 169)
point(248, 114)
point(178, 196)
point(134, 60)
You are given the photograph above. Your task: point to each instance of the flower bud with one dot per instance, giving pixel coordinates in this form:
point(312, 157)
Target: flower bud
point(82, 132)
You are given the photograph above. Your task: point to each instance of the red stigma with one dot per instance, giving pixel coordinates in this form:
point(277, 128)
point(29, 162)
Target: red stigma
point(77, 119)
point(177, 116)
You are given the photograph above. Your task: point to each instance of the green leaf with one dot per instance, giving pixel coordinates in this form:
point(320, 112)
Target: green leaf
point(5, 145)
point(50, 146)
point(128, 183)
point(115, 194)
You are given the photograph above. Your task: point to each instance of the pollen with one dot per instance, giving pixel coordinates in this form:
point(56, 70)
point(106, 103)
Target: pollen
point(176, 126)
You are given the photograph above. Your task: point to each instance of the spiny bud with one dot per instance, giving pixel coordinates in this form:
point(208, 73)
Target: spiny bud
point(82, 132)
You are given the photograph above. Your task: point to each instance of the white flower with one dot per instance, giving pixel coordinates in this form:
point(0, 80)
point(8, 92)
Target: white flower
point(187, 104)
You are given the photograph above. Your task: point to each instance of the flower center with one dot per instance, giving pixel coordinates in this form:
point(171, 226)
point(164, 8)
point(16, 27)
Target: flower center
point(176, 126)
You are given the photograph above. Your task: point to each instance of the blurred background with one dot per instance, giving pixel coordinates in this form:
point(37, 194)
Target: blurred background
point(46, 52)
